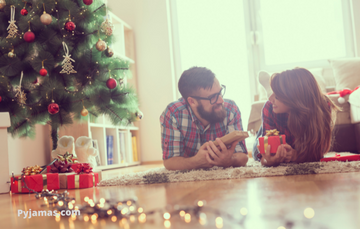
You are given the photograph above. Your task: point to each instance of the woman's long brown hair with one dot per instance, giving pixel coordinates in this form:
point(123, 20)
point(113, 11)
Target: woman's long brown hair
point(312, 113)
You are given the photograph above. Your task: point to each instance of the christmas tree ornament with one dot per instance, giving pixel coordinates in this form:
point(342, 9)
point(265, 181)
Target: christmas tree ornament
point(70, 26)
point(84, 112)
point(100, 45)
point(111, 83)
point(29, 36)
point(107, 27)
point(109, 52)
point(139, 115)
point(24, 12)
point(2, 4)
point(36, 82)
point(87, 2)
point(0, 99)
point(12, 27)
point(43, 71)
point(67, 65)
point(53, 108)
point(11, 54)
point(45, 18)
point(19, 94)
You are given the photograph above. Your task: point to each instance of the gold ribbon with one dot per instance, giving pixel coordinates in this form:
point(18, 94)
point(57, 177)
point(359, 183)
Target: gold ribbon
point(77, 179)
point(44, 181)
point(266, 141)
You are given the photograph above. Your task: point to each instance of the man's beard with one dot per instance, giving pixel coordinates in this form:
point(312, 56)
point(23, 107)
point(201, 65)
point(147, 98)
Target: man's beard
point(213, 116)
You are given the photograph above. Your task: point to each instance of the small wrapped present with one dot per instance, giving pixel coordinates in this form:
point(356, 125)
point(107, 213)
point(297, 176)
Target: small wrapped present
point(37, 183)
point(84, 178)
point(338, 157)
point(272, 138)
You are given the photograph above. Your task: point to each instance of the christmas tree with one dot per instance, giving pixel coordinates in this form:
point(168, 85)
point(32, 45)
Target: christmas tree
point(56, 66)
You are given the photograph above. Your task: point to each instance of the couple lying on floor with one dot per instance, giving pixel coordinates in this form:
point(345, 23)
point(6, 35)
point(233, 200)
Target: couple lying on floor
point(296, 108)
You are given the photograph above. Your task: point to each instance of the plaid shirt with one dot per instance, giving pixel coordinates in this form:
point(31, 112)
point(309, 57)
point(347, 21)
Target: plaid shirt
point(271, 120)
point(182, 134)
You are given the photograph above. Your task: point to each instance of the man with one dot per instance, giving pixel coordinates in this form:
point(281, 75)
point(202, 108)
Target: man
point(202, 115)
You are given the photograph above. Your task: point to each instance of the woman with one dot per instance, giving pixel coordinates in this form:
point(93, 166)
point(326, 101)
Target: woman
point(298, 109)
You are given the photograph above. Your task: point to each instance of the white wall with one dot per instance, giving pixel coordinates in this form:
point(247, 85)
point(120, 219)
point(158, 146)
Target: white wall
point(27, 152)
point(149, 21)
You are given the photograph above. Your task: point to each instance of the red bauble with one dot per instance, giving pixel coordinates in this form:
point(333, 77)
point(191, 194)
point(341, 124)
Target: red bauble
point(88, 2)
point(70, 26)
point(29, 36)
point(24, 12)
point(53, 108)
point(111, 83)
point(0, 99)
point(43, 72)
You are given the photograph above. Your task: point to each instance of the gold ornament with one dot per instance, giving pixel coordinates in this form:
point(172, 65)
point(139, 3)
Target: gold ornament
point(84, 112)
point(12, 27)
point(109, 52)
point(100, 45)
point(46, 18)
point(139, 115)
point(2, 4)
point(67, 65)
point(11, 54)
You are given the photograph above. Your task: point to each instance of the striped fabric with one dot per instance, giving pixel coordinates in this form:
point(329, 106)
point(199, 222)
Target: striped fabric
point(182, 134)
point(270, 121)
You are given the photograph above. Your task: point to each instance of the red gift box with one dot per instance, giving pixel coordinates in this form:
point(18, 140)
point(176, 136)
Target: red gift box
point(82, 180)
point(337, 157)
point(37, 182)
point(274, 141)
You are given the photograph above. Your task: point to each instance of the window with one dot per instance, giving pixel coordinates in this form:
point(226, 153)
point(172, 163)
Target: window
point(290, 33)
point(212, 34)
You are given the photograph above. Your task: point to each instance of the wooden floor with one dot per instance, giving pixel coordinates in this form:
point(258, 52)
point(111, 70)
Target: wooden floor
point(271, 202)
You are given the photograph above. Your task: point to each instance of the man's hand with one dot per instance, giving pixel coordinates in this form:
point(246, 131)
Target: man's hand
point(221, 157)
point(201, 157)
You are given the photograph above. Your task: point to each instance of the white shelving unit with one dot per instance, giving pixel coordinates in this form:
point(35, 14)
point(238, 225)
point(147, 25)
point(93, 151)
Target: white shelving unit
point(100, 127)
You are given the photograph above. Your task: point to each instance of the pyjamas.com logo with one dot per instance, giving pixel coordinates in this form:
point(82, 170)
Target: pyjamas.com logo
point(30, 213)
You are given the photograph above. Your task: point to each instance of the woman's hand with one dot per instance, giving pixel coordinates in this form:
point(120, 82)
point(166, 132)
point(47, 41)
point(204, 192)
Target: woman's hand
point(283, 154)
point(291, 153)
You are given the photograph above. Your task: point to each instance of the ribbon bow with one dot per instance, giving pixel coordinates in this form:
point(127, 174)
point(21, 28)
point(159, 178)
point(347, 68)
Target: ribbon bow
point(67, 157)
point(83, 168)
point(31, 170)
point(61, 167)
point(273, 132)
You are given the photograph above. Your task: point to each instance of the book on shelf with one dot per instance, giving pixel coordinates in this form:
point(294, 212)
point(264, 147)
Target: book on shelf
point(109, 149)
point(122, 143)
point(134, 149)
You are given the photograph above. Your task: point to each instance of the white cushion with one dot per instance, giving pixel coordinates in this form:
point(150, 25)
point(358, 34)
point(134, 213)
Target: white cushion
point(346, 73)
point(354, 100)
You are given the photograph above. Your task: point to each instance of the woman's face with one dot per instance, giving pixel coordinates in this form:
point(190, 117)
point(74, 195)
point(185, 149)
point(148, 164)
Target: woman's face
point(278, 107)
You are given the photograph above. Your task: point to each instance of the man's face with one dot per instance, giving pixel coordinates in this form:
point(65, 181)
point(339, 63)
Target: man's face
point(213, 113)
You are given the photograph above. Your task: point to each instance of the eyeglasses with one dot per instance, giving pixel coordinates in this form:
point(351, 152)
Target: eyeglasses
point(213, 98)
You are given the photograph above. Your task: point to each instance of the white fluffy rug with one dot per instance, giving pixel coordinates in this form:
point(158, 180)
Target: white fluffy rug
point(252, 169)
